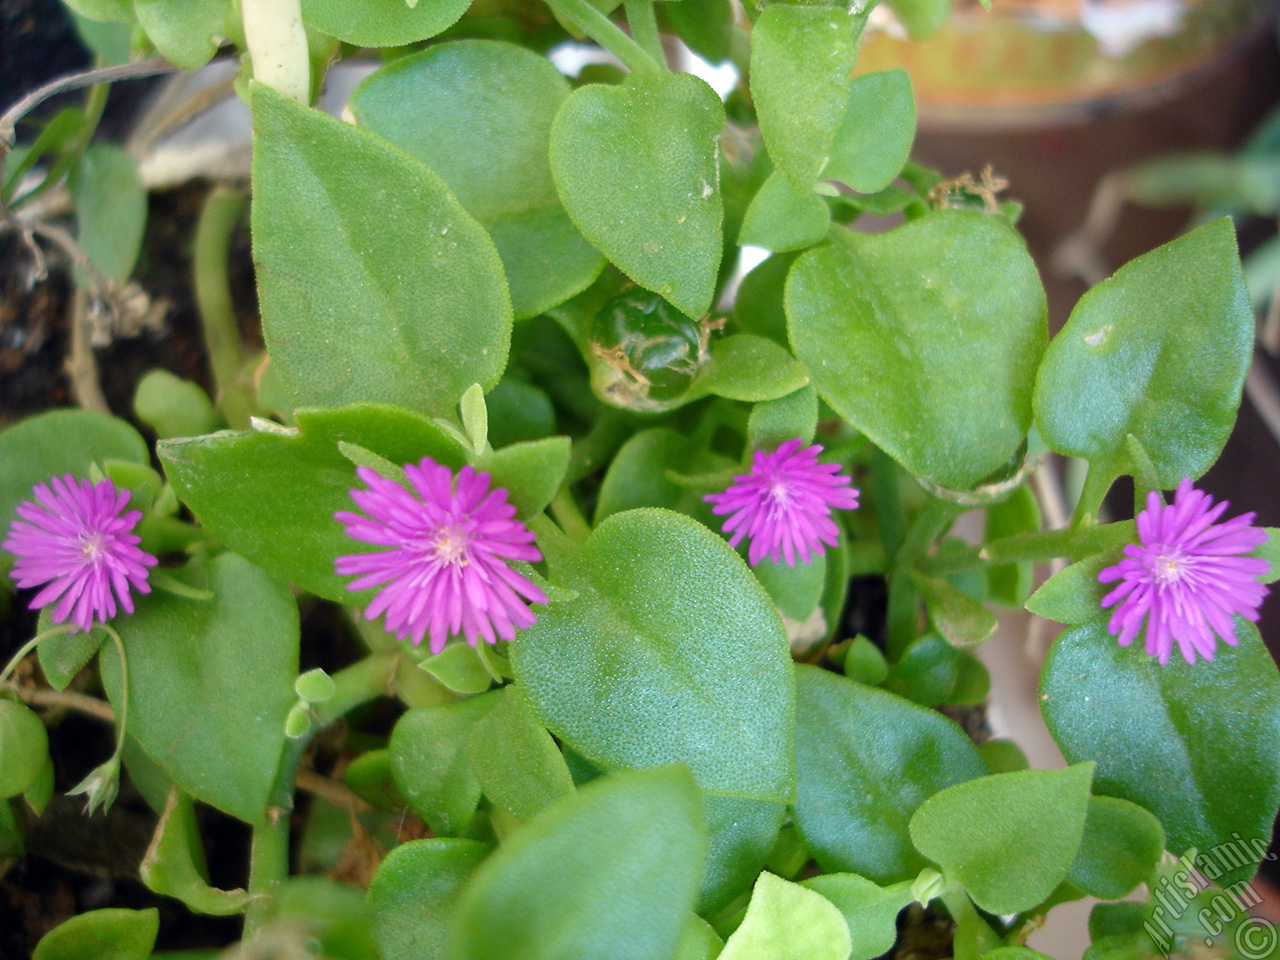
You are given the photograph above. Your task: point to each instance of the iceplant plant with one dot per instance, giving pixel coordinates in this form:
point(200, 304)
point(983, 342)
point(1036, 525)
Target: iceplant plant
point(659, 600)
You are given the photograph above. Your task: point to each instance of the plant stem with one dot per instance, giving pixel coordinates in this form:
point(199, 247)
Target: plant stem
point(31, 645)
point(219, 218)
point(269, 855)
point(277, 44)
point(567, 514)
point(122, 722)
point(644, 28)
point(903, 611)
point(583, 16)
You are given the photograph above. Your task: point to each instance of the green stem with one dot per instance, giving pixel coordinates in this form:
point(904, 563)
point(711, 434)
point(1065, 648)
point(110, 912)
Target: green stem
point(565, 510)
point(884, 487)
point(219, 218)
point(903, 611)
point(583, 16)
point(31, 645)
point(269, 855)
point(644, 28)
point(122, 722)
point(1096, 484)
point(94, 103)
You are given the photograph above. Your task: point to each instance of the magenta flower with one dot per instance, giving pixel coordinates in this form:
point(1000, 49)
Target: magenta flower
point(446, 572)
point(784, 504)
point(77, 543)
point(1187, 578)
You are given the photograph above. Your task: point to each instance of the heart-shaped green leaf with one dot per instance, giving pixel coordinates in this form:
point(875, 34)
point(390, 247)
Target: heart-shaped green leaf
point(874, 139)
point(672, 652)
point(870, 911)
point(801, 61)
point(1159, 351)
point(1009, 838)
point(1193, 744)
point(610, 871)
point(371, 276)
point(383, 23)
point(208, 674)
point(926, 339)
point(24, 748)
point(185, 32)
point(491, 151)
point(636, 167)
point(1121, 846)
point(865, 760)
point(243, 485)
point(751, 368)
point(782, 218)
point(786, 921)
point(518, 765)
point(110, 934)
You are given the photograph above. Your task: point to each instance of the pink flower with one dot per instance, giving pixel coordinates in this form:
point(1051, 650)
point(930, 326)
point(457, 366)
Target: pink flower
point(784, 504)
point(446, 570)
point(1187, 577)
point(77, 543)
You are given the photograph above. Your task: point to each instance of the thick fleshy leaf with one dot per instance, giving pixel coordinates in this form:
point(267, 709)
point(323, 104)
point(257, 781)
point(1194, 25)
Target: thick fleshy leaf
point(786, 921)
point(174, 865)
point(773, 422)
point(608, 872)
point(206, 674)
point(751, 368)
point(63, 656)
point(185, 32)
point(1074, 595)
point(431, 764)
point(111, 209)
point(518, 765)
point(1122, 845)
point(801, 61)
point(530, 472)
point(782, 218)
point(413, 894)
point(60, 441)
point(636, 166)
point(926, 339)
point(865, 761)
point(672, 652)
point(870, 910)
point(874, 139)
point(740, 837)
point(1193, 744)
point(383, 23)
point(1159, 351)
point(370, 274)
point(1010, 838)
point(24, 748)
point(758, 308)
point(639, 476)
point(491, 152)
point(242, 485)
point(960, 619)
point(111, 934)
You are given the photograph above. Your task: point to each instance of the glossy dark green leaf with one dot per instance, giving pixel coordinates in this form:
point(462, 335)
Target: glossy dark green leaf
point(518, 765)
point(24, 748)
point(608, 872)
point(174, 865)
point(414, 892)
point(788, 921)
point(430, 762)
point(518, 411)
point(637, 671)
point(801, 61)
point(1115, 919)
point(927, 672)
point(371, 276)
point(870, 911)
point(1122, 845)
point(926, 339)
point(1003, 756)
point(636, 167)
point(1159, 351)
point(184, 32)
point(59, 442)
point(1010, 838)
point(242, 485)
point(875, 137)
point(383, 23)
point(111, 209)
point(782, 218)
point(491, 150)
point(110, 934)
point(865, 761)
point(1193, 744)
point(204, 674)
